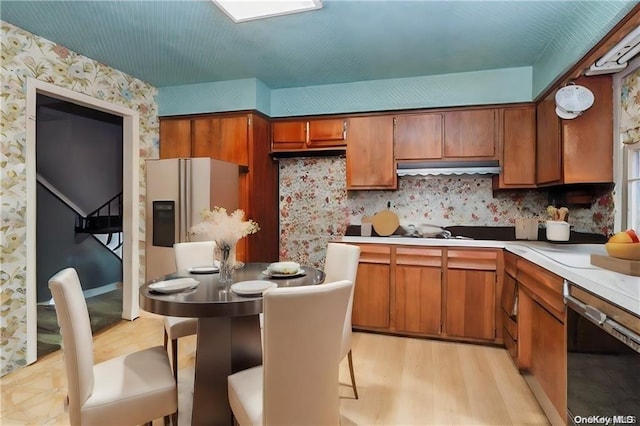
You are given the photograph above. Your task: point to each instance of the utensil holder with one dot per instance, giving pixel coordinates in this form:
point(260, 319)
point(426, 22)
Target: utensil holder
point(557, 230)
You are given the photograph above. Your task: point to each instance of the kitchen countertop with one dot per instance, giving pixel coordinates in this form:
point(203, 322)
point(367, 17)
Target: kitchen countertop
point(570, 261)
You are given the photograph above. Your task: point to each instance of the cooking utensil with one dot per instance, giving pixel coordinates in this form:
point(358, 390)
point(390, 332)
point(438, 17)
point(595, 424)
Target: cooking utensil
point(385, 222)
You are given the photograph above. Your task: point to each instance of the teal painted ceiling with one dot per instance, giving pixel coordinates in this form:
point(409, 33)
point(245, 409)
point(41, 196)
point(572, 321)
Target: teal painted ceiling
point(172, 43)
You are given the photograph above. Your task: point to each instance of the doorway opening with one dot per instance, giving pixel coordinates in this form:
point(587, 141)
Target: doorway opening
point(128, 201)
point(79, 211)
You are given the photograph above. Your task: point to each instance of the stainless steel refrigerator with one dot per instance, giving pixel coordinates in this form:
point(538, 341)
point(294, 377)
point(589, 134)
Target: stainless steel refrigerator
point(178, 189)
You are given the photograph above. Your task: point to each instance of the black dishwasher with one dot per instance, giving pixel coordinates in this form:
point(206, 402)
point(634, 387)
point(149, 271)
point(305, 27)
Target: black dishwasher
point(603, 361)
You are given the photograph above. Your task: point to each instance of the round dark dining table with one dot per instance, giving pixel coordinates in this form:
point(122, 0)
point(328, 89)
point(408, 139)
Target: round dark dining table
point(229, 338)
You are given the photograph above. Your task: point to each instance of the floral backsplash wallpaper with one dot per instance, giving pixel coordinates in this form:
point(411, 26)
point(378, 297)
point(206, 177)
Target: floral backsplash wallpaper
point(315, 206)
point(26, 55)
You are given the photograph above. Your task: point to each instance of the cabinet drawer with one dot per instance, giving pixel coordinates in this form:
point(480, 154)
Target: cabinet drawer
point(375, 254)
point(510, 263)
point(511, 345)
point(510, 325)
point(418, 256)
point(543, 286)
point(508, 296)
point(485, 260)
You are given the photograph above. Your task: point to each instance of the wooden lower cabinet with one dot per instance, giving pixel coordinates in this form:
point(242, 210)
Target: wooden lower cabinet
point(509, 308)
point(542, 348)
point(418, 290)
point(401, 289)
point(470, 304)
point(372, 290)
point(549, 356)
point(470, 293)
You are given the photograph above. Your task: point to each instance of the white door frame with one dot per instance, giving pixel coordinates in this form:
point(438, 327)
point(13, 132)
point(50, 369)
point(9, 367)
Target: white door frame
point(130, 194)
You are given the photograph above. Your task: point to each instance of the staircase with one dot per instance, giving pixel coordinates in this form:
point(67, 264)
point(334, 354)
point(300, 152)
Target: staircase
point(105, 224)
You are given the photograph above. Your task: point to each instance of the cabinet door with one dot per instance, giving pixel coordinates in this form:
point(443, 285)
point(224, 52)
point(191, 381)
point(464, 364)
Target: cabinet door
point(548, 146)
point(470, 134)
point(175, 138)
point(587, 140)
point(288, 135)
point(372, 290)
point(518, 148)
point(327, 133)
point(470, 304)
point(370, 162)
point(549, 356)
point(418, 137)
point(222, 138)
point(232, 145)
point(418, 290)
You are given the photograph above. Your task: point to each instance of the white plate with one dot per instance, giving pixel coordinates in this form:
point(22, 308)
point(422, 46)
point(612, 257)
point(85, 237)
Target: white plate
point(203, 269)
point(253, 287)
point(173, 286)
point(270, 274)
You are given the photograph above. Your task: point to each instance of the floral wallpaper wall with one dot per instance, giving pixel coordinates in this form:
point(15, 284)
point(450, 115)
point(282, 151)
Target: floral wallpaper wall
point(315, 206)
point(27, 55)
point(630, 108)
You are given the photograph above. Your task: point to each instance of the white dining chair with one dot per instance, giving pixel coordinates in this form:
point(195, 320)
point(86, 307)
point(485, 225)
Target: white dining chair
point(187, 255)
point(341, 263)
point(297, 383)
point(126, 390)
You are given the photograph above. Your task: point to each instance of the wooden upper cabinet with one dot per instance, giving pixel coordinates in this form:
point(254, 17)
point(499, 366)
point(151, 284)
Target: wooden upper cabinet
point(470, 134)
point(418, 137)
point(223, 138)
point(289, 134)
point(175, 138)
point(309, 134)
point(332, 132)
point(549, 144)
point(587, 140)
point(578, 150)
point(518, 157)
point(370, 162)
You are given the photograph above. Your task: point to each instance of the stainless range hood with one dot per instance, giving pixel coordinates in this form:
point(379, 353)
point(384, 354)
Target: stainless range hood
point(444, 168)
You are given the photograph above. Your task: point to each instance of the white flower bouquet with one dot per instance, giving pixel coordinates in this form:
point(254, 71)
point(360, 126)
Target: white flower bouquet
point(224, 228)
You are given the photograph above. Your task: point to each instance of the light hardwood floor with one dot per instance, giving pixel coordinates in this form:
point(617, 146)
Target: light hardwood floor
point(401, 381)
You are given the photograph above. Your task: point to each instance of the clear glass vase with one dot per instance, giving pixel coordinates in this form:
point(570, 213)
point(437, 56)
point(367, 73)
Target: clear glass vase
point(227, 262)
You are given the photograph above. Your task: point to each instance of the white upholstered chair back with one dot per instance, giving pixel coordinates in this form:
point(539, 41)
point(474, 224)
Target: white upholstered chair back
point(77, 339)
point(302, 329)
point(341, 263)
point(191, 254)
point(128, 389)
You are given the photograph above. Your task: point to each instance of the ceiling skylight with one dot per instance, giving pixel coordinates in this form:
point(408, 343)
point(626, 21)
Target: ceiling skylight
point(249, 10)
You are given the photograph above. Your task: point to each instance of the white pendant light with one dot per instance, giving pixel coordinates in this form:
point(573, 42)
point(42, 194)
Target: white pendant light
point(572, 100)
